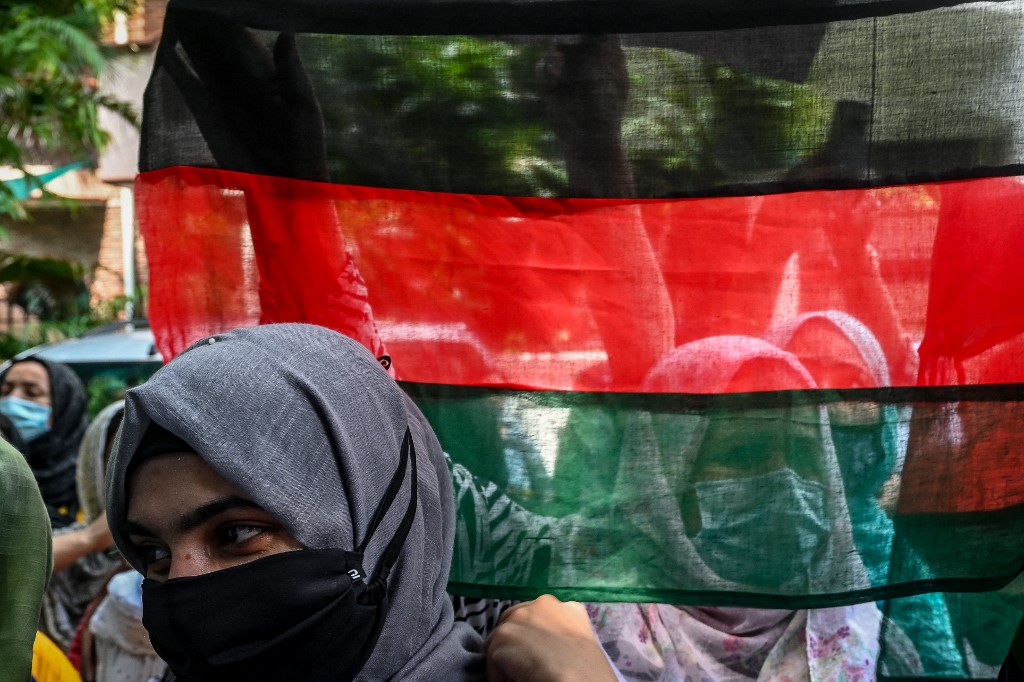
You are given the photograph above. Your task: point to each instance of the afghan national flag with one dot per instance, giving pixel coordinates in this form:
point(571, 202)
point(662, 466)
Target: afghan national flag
point(719, 302)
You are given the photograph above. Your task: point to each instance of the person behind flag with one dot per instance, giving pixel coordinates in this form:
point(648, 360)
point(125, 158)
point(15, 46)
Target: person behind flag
point(749, 501)
point(870, 439)
point(293, 514)
point(47, 403)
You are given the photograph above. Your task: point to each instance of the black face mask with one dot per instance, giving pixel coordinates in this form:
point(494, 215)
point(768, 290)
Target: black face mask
point(300, 615)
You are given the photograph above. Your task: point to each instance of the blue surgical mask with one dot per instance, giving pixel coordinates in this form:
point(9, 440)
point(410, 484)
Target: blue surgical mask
point(762, 531)
point(31, 419)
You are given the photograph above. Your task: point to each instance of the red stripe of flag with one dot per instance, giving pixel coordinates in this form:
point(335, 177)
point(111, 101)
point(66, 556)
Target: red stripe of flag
point(587, 294)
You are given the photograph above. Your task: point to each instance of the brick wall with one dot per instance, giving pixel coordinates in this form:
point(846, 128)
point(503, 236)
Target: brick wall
point(88, 235)
point(145, 25)
point(108, 278)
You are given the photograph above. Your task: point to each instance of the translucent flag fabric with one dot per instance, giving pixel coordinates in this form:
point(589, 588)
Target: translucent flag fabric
point(708, 304)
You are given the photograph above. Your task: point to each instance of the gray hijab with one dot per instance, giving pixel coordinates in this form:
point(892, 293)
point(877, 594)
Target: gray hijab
point(308, 424)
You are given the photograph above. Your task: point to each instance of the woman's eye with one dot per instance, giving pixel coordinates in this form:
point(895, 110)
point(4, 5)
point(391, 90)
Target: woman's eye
point(240, 534)
point(153, 554)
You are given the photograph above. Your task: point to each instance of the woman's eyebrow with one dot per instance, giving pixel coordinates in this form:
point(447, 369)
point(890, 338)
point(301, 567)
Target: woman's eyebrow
point(136, 528)
point(196, 517)
point(201, 515)
point(28, 383)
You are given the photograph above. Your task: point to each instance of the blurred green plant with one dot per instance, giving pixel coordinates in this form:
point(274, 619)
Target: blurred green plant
point(50, 58)
point(764, 125)
point(449, 111)
point(45, 288)
point(12, 343)
point(668, 131)
point(438, 112)
point(692, 119)
point(54, 293)
point(104, 390)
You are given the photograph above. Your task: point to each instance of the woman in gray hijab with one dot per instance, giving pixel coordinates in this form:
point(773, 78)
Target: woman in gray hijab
point(262, 441)
point(304, 424)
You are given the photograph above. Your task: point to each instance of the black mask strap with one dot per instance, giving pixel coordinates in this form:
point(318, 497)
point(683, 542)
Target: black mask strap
point(377, 588)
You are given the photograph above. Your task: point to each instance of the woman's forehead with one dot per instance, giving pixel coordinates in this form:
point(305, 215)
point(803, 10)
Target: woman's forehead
point(178, 480)
point(28, 371)
point(165, 464)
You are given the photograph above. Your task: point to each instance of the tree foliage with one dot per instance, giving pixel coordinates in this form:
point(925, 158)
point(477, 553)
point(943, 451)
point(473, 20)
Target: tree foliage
point(50, 58)
point(476, 114)
point(438, 112)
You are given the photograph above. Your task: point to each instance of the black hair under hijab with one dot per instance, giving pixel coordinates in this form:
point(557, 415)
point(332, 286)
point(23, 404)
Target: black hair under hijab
point(53, 455)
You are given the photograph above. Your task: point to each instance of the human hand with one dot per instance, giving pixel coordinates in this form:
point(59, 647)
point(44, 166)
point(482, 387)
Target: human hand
point(546, 640)
point(69, 547)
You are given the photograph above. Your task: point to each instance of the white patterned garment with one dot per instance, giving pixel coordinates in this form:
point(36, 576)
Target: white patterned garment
point(123, 650)
point(663, 643)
